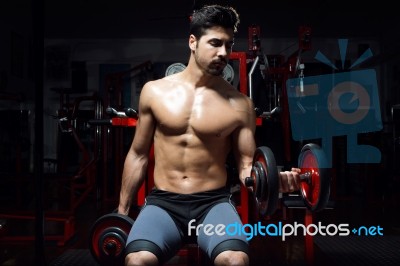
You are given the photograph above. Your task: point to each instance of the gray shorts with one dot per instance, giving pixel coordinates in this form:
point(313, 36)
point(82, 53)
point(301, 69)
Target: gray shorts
point(162, 225)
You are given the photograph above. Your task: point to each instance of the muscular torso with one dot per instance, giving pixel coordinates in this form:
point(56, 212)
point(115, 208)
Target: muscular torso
point(193, 131)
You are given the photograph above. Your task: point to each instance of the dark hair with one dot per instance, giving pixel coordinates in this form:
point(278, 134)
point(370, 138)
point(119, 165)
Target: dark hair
point(213, 15)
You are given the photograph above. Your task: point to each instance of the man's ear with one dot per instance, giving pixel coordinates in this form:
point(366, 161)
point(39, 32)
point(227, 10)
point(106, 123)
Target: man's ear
point(192, 42)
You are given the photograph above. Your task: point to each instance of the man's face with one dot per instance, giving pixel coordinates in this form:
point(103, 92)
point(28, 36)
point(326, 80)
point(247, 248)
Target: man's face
point(212, 50)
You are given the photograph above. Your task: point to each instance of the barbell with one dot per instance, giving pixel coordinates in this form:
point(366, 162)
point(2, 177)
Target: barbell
point(264, 179)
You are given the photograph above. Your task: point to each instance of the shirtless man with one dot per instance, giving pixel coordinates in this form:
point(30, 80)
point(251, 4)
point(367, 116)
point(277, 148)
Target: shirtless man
point(194, 119)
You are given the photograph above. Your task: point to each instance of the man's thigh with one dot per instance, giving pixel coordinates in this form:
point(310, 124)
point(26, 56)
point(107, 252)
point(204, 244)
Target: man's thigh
point(213, 244)
point(154, 231)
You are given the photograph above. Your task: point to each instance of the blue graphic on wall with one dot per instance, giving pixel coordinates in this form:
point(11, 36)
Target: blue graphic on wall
point(340, 104)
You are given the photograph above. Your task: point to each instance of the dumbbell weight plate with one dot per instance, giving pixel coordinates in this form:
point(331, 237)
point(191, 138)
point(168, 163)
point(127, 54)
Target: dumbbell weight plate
point(108, 238)
point(174, 68)
point(316, 191)
point(267, 189)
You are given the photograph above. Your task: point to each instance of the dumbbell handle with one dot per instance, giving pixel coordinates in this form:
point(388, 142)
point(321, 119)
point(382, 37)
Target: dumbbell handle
point(306, 176)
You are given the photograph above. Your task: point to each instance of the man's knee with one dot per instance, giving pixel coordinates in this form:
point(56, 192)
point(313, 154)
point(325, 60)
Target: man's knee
point(232, 258)
point(141, 258)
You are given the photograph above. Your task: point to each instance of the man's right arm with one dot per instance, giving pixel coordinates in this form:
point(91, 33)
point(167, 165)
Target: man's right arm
point(135, 166)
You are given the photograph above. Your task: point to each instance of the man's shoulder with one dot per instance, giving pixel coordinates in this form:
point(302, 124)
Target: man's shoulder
point(237, 95)
point(240, 102)
point(161, 82)
point(154, 82)
point(155, 85)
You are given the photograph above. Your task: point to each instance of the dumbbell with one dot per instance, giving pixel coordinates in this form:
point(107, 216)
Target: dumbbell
point(264, 179)
point(108, 237)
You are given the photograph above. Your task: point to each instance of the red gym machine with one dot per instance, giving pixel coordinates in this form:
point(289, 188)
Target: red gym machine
point(113, 129)
point(71, 188)
point(277, 71)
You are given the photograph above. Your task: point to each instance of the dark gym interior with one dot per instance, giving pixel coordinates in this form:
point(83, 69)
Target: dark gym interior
point(70, 69)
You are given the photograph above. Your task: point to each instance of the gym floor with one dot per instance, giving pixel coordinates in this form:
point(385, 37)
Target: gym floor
point(265, 250)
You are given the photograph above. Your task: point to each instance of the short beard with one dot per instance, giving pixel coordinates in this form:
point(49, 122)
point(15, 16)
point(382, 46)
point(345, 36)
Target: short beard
point(208, 70)
point(215, 72)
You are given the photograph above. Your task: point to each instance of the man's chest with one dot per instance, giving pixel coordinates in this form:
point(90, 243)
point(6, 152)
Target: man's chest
point(201, 115)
